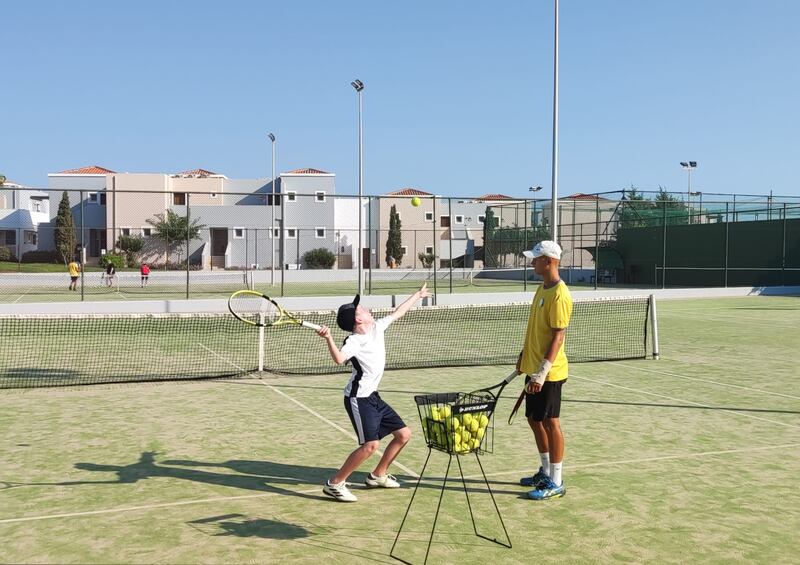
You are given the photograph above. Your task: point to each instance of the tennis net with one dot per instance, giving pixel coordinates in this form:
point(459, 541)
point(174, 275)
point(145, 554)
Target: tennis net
point(70, 349)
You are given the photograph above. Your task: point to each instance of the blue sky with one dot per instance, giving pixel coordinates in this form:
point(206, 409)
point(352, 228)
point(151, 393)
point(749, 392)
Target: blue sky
point(458, 97)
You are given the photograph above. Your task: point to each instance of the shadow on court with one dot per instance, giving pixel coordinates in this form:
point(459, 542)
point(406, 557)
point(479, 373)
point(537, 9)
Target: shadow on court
point(228, 525)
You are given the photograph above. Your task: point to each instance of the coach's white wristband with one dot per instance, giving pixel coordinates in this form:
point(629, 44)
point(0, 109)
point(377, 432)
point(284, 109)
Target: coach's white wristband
point(541, 374)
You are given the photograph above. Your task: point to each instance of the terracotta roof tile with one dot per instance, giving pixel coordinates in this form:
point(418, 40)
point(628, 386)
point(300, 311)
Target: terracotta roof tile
point(197, 173)
point(409, 192)
point(307, 172)
point(582, 196)
point(494, 197)
point(90, 170)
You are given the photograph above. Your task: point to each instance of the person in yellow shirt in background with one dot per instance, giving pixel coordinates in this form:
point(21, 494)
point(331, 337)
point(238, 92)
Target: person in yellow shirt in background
point(545, 363)
point(74, 273)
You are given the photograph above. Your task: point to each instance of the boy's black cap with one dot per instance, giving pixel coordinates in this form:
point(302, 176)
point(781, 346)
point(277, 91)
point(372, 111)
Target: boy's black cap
point(346, 317)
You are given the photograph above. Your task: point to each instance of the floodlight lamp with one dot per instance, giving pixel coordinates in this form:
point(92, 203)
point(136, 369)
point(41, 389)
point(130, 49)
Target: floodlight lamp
point(358, 85)
point(271, 137)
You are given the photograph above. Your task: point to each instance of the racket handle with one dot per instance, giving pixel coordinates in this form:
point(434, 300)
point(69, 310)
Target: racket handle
point(314, 327)
point(512, 376)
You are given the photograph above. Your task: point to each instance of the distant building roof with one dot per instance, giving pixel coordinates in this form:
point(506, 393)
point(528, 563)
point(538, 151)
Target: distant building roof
point(307, 171)
point(409, 192)
point(11, 184)
point(202, 173)
point(90, 170)
point(583, 196)
point(494, 197)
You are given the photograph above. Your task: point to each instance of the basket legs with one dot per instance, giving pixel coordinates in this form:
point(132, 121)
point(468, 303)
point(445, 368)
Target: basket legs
point(439, 506)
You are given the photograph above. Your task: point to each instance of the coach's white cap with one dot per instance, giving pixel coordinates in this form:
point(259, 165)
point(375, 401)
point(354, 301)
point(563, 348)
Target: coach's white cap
point(547, 248)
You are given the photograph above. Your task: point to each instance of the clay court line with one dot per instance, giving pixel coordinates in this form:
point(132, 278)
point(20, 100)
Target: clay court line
point(650, 459)
point(705, 380)
point(744, 415)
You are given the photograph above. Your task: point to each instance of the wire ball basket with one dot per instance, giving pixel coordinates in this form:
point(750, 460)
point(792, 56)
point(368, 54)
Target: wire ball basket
point(458, 423)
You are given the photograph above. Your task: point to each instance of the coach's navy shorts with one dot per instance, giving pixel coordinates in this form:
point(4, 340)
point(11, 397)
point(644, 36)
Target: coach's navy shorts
point(546, 403)
point(371, 417)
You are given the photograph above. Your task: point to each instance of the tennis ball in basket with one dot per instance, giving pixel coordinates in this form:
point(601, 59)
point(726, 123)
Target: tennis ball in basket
point(484, 420)
point(454, 423)
point(479, 434)
point(475, 443)
point(467, 419)
point(474, 425)
point(465, 435)
point(445, 411)
point(435, 414)
point(416, 201)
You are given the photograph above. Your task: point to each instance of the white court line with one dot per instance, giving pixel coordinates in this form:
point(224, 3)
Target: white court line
point(149, 506)
point(650, 459)
point(334, 425)
point(21, 296)
point(310, 411)
point(743, 414)
point(705, 380)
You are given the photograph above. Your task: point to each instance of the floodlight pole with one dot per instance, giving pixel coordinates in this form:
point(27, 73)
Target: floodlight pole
point(359, 86)
point(272, 222)
point(554, 195)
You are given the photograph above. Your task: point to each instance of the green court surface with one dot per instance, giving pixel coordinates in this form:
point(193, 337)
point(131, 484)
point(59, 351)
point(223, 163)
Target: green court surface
point(692, 458)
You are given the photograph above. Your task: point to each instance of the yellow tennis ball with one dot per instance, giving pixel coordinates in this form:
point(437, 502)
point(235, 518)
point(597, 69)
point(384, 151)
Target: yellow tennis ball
point(454, 423)
point(467, 419)
point(475, 443)
point(434, 413)
point(484, 420)
point(479, 434)
point(416, 201)
point(445, 411)
point(474, 426)
point(465, 435)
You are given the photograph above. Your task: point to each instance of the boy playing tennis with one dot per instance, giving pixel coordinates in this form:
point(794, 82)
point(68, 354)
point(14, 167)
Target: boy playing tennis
point(371, 417)
point(543, 359)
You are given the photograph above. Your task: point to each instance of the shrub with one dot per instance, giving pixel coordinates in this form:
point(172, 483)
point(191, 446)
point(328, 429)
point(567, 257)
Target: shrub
point(426, 259)
point(42, 256)
point(6, 254)
point(319, 258)
point(114, 259)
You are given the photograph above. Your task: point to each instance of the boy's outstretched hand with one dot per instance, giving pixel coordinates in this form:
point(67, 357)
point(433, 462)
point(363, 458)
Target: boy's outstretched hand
point(423, 291)
point(324, 331)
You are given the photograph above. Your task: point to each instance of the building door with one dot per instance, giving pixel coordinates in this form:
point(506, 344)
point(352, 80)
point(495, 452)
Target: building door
point(219, 244)
point(365, 258)
point(97, 242)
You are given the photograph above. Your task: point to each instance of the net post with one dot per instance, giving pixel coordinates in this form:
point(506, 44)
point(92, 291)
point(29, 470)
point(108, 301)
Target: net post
point(654, 326)
point(261, 345)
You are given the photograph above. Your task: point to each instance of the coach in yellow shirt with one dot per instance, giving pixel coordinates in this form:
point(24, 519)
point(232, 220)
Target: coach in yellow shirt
point(74, 273)
point(545, 363)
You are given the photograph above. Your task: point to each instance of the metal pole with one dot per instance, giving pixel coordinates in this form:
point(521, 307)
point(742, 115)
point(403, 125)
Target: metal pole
point(554, 195)
point(525, 246)
point(283, 240)
point(664, 249)
point(450, 214)
point(360, 190)
point(272, 220)
point(82, 254)
point(188, 227)
point(369, 245)
point(434, 249)
point(783, 251)
point(727, 228)
point(597, 243)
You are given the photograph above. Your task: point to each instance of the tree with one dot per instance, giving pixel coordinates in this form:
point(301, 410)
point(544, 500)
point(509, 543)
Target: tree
point(174, 230)
point(426, 259)
point(394, 241)
point(130, 245)
point(65, 239)
point(635, 210)
point(675, 209)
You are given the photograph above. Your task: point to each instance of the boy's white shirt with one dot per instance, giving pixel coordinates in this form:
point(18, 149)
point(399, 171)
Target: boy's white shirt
point(367, 353)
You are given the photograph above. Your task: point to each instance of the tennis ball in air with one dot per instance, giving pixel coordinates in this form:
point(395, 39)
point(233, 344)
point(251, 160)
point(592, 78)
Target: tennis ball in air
point(416, 201)
point(445, 411)
point(474, 425)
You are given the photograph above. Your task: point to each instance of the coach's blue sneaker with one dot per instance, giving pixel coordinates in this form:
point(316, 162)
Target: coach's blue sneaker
point(548, 490)
point(535, 481)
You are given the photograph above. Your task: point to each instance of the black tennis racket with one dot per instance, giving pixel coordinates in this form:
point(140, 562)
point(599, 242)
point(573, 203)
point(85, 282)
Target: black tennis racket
point(260, 310)
point(497, 390)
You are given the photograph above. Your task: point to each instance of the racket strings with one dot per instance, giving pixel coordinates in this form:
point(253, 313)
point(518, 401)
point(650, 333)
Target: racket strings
point(255, 309)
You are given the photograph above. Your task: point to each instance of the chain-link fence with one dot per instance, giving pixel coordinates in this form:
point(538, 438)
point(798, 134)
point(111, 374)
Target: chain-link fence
point(203, 244)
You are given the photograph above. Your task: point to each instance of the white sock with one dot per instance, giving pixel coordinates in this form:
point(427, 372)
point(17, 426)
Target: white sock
point(545, 457)
point(555, 473)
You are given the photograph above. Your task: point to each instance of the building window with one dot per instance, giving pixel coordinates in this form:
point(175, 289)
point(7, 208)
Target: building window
point(429, 249)
point(30, 237)
point(481, 219)
point(320, 233)
point(36, 205)
point(213, 195)
point(276, 232)
point(273, 197)
point(319, 196)
point(428, 216)
point(291, 233)
point(11, 237)
point(97, 198)
point(444, 221)
point(404, 249)
point(238, 233)
point(179, 198)
point(125, 231)
point(147, 232)
point(291, 196)
point(459, 219)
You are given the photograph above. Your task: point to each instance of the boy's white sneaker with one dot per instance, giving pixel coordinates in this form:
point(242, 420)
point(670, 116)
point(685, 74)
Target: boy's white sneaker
point(386, 481)
point(340, 492)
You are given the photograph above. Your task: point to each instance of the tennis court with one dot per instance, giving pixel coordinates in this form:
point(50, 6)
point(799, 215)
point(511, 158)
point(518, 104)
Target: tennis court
point(692, 457)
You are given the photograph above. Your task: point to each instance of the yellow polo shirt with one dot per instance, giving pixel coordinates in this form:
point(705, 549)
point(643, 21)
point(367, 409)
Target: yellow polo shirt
point(74, 270)
point(551, 309)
